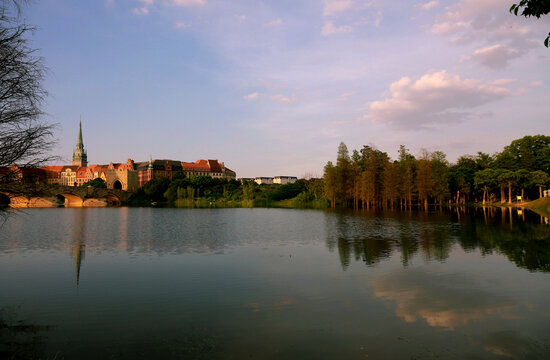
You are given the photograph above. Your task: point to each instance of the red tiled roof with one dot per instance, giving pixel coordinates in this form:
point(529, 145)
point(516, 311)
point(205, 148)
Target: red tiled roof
point(57, 169)
point(228, 171)
point(72, 167)
point(215, 166)
point(201, 165)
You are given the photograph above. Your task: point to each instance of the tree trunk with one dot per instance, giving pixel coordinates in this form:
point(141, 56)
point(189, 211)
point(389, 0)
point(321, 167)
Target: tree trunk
point(540, 192)
point(502, 196)
point(509, 192)
point(522, 194)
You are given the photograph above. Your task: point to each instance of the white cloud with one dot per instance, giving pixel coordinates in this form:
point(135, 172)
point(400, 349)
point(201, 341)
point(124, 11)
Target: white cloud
point(346, 96)
point(504, 81)
point(147, 2)
point(282, 99)
point(536, 83)
point(330, 29)
point(240, 17)
point(140, 11)
point(333, 7)
point(472, 20)
point(428, 5)
point(447, 28)
point(186, 3)
point(252, 96)
point(181, 25)
point(435, 98)
point(494, 57)
point(110, 3)
point(275, 22)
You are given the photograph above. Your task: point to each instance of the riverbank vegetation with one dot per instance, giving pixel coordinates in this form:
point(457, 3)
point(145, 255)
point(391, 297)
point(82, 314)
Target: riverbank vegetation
point(370, 178)
point(205, 191)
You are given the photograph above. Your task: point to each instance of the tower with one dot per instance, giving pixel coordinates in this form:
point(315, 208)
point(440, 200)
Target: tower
point(80, 157)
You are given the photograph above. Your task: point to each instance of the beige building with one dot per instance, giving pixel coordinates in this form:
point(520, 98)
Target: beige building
point(211, 168)
point(122, 176)
point(68, 175)
point(263, 180)
point(284, 180)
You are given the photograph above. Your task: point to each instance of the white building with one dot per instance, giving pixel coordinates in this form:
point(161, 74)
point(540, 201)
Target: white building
point(284, 180)
point(263, 180)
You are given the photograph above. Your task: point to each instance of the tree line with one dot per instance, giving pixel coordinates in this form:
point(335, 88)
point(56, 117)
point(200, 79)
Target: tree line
point(370, 178)
point(202, 190)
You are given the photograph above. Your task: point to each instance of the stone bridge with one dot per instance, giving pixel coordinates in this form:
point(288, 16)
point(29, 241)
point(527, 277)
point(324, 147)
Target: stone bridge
point(44, 195)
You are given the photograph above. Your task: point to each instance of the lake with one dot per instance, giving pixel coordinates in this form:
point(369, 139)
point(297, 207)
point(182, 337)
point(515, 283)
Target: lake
point(140, 283)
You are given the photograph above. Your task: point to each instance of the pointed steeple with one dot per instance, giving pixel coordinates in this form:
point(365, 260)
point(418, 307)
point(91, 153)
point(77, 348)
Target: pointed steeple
point(80, 143)
point(80, 157)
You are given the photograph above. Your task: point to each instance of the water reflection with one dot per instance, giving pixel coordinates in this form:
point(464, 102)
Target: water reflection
point(279, 283)
point(446, 302)
point(374, 236)
point(78, 245)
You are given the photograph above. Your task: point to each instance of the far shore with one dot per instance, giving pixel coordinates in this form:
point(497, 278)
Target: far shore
point(540, 206)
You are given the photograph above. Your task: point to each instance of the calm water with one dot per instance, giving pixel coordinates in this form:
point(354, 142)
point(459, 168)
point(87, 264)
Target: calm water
point(137, 283)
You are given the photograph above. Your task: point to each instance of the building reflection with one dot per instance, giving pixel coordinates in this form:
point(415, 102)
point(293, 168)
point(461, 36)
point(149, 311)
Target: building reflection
point(78, 246)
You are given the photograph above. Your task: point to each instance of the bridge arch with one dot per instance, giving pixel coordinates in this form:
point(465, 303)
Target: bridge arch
point(112, 200)
point(117, 185)
point(70, 200)
point(4, 200)
point(14, 200)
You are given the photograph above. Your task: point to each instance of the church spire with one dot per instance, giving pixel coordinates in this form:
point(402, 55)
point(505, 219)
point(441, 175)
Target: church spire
point(80, 158)
point(80, 143)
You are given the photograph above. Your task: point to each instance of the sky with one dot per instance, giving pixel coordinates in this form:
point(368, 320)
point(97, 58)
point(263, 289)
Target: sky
point(272, 87)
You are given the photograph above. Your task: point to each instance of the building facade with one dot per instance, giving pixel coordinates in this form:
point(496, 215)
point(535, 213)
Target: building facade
point(284, 180)
point(130, 175)
point(263, 180)
point(212, 168)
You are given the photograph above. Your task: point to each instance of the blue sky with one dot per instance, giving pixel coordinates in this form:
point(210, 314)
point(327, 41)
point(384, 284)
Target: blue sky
point(272, 87)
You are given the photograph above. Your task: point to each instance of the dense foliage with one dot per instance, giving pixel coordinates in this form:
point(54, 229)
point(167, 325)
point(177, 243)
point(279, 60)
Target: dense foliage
point(98, 183)
point(370, 178)
point(187, 191)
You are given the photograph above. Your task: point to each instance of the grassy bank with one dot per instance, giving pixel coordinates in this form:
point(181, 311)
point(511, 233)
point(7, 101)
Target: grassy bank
point(540, 206)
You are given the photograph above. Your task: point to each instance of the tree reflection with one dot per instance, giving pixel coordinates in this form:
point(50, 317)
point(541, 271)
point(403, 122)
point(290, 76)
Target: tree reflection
point(372, 238)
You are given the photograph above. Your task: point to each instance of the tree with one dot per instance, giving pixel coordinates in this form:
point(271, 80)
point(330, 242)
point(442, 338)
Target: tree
point(407, 167)
point(424, 179)
point(539, 179)
point(440, 174)
point(97, 183)
point(329, 181)
point(24, 138)
point(535, 8)
point(155, 188)
point(484, 179)
point(344, 171)
point(508, 178)
point(390, 182)
point(530, 153)
point(523, 180)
